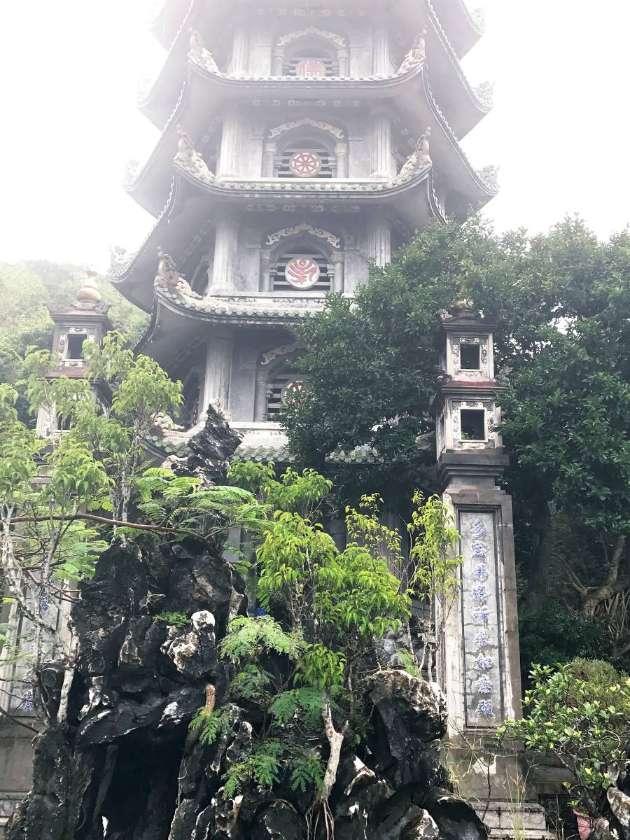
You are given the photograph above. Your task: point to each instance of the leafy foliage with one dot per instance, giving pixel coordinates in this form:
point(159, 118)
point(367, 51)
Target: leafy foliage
point(578, 712)
point(309, 657)
point(249, 638)
point(269, 760)
point(210, 725)
point(434, 535)
point(561, 302)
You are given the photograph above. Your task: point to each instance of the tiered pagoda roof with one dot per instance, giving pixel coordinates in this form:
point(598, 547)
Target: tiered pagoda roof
point(179, 189)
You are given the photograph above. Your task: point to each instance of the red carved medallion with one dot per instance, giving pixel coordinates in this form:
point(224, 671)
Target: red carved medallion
point(311, 68)
point(302, 273)
point(305, 164)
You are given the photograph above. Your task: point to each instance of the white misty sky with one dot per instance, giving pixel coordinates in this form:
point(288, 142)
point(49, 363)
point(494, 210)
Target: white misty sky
point(70, 70)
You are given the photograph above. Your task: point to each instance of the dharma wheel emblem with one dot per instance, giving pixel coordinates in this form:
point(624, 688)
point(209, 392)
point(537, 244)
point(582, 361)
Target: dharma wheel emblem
point(305, 164)
point(311, 68)
point(302, 273)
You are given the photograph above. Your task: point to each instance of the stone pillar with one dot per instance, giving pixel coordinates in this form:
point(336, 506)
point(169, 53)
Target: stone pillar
point(382, 146)
point(229, 154)
point(339, 264)
point(265, 270)
point(219, 353)
point(225, 256)
point(478, 660)
point(380, 243)
point(381, 60)
point(341, 153)
point(343, 59)
point(277, 58)
point(240, 52)
point(270, 148)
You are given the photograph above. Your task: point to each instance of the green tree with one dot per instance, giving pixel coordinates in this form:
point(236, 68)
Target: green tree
point(578, 712)
point(29, 290)
point(323, 607)
point(61, 505)
point(561, 303)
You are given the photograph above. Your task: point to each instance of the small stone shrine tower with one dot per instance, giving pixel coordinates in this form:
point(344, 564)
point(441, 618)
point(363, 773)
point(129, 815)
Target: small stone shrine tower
point(480, 668)
point(478, 662)
point(84, 320)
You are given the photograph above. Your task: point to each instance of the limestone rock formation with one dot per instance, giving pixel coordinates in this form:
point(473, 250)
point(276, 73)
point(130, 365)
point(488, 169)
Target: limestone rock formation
point(124, 764)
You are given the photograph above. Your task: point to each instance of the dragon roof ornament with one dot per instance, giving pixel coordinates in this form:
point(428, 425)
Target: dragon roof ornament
point(201, 56)
point(169, 280)
point(189, 159)
point(418, 161)
point(416, 56)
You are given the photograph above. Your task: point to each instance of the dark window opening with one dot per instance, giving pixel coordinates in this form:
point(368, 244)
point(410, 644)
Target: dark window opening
point(470, 356)
point(473, 424)
point(201, 279)
point(75, 346)
point(64, 423)
point(283, 385)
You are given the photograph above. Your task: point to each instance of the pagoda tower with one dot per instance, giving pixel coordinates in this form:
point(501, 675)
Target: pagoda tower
point(300, 143)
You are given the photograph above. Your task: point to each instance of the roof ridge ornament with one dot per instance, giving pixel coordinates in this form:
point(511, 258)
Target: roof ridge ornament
point(416, 56)
point(484, 92)
point(200, 55)
point(169, 280)
point(490, 177)
point(419, 160)
point(190, 160)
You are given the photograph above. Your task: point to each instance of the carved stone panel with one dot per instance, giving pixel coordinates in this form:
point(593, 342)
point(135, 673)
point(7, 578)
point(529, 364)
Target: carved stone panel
point(481, 617)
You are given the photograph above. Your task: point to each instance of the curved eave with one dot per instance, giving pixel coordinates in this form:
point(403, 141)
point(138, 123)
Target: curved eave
point(457, 98)
point(177, 315)
point(170, 19)
point(204, 92)
point(157, 104)
point(240, 310)
point(192, 200)
point(464, 31)
point(415, 200)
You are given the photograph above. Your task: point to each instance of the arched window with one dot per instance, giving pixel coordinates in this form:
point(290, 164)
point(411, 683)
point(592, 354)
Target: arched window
point(305, 148)
point(312, 54)
point(302, 266)
point(305, 157)
point(302, 258)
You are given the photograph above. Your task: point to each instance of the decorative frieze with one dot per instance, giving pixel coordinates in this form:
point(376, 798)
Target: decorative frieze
point(313, 32)
point(296, 230)
point(307, 122)
point(301, 12)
